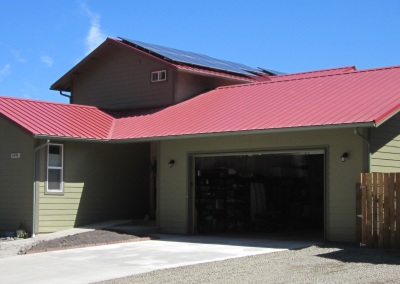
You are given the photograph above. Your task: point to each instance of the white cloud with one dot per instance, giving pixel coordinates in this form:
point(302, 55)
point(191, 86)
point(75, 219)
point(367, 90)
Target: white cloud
point(47, 60)
point(18, 56)
point(5, 71)
point(95, 36)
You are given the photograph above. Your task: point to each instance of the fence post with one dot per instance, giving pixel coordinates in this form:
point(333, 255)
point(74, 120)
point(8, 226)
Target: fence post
point(363, 221)
point(358, 213)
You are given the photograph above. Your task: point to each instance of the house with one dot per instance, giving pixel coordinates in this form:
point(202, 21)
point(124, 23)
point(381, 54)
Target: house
point(200, 145)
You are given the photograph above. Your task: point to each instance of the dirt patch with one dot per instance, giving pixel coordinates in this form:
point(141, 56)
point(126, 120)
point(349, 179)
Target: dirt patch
point(87, 239)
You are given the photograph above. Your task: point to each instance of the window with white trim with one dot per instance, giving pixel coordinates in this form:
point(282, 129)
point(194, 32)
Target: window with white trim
point(158, 76)
point(55, 168)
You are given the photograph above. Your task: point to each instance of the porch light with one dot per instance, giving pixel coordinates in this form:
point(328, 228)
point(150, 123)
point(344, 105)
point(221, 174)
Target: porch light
point(344, 157)
point(171, 163)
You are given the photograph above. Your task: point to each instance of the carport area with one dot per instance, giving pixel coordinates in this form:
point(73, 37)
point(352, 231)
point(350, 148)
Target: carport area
point(271, 193)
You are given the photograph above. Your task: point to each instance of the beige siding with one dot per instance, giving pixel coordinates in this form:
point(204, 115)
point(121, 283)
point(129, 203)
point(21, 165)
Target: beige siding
point(189, 85)
point(120, 79)
point(101, 182)
point(341, 177)
point(385, 146)
point(16, 177)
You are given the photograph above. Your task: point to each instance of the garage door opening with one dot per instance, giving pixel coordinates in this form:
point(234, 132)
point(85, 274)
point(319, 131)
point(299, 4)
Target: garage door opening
point(259, 193)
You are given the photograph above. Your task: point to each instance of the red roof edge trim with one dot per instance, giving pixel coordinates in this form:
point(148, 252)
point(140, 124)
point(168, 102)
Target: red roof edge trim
point(47, 102)
point(338, 69)
point(198, 70)
point(311, 77)
point(386, 116)
point(111, 131)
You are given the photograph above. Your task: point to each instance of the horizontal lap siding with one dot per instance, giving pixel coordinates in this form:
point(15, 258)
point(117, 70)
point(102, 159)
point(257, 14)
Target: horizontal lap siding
point(101, 182)
point(385, 146)
point(16, 178)
point(121, 80)
point(341, 178)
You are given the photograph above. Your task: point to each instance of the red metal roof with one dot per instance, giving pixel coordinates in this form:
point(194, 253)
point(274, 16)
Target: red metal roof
point(216, 73)
point(315, 73)
point(64, 83)
point(59, 120)
point(343, 98)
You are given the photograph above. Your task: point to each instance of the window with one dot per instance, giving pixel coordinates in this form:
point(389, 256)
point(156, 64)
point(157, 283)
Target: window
point(158, 76)
point(55, 168)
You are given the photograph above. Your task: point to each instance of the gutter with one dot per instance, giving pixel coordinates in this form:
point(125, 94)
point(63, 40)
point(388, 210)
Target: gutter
point(242, 132)
point(34, 186)
point(368, 147)
point(109, 139)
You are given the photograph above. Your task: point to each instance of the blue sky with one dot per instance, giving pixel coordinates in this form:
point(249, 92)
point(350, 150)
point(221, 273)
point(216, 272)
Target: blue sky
point(43, 39)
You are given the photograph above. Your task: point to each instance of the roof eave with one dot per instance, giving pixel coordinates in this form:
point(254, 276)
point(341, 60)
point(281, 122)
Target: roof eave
point(205, 73)
point(69, 138)
point(248, 132)
point(63, 84)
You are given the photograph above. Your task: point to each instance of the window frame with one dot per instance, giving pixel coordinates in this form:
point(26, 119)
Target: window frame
point(159, 78)
point(60, 168)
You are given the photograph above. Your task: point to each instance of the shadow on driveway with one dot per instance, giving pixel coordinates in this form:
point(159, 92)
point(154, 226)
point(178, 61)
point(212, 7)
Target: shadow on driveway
point(356, 254)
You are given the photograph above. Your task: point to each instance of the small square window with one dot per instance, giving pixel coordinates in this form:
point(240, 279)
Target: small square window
point(158, 76)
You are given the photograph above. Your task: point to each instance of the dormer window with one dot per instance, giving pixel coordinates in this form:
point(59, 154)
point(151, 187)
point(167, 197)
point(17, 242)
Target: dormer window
point(158, 76)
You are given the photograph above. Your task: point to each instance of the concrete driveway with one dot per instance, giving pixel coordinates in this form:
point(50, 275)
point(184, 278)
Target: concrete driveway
point(86, 265)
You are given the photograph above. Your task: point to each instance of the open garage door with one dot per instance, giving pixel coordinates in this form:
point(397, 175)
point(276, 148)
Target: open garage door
point(266, 192)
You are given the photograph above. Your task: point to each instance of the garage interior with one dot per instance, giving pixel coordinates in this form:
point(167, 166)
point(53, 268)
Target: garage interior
point(260, 193)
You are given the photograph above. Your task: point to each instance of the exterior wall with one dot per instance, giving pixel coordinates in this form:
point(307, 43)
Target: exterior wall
point(189, 85)
point(385, 146)
point(341, 178)
point(16, 177)
point(121, 80)
point(101, 182)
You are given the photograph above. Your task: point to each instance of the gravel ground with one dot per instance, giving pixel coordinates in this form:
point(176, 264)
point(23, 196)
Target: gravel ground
point(333, 264)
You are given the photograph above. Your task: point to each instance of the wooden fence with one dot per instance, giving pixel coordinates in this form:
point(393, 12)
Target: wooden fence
point(379, 210)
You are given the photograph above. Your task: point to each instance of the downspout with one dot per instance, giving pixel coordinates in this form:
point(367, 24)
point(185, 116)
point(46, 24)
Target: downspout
point(67, 96)
point(368, 147)
point(34, 186)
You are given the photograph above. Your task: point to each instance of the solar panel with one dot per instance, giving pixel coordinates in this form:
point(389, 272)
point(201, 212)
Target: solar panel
point(197, 59)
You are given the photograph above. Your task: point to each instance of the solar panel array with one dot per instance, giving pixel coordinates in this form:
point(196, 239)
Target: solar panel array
point(197, 59)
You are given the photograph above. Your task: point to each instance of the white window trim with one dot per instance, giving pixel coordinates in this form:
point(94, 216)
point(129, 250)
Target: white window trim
point(159, 77)
point(61, 168)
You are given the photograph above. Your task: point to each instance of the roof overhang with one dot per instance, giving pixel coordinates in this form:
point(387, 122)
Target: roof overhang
point(65, 82)
point(212, 135)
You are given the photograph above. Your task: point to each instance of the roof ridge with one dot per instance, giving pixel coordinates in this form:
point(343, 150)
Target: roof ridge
point(46, 102)
point(315, 71)
point(112, 128)
point(311, 77)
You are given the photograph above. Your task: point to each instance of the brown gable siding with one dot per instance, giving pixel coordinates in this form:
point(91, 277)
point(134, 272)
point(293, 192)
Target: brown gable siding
point(120, 79)
point(189, 85)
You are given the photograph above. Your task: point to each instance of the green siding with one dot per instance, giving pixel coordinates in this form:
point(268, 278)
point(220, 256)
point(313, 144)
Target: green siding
point(16, 177)
point(101, 182)
point(341, 178)
point(121, 80)
point(385, 146)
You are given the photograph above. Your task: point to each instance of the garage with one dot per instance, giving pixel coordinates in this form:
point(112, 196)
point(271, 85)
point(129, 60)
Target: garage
point(259, 192)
